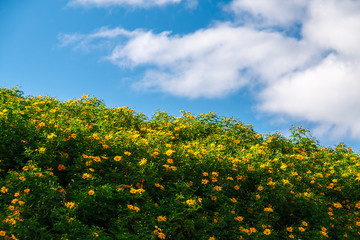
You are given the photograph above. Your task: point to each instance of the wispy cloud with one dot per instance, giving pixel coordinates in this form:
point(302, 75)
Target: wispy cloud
point(269, 12)
point(313, 76)
point(135, 3)
point(325, 93)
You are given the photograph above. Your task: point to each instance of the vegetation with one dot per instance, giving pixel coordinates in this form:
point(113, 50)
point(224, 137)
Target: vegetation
point(80, 170)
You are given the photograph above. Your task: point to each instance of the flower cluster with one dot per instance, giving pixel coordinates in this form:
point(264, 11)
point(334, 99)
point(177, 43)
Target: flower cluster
point(80, 170)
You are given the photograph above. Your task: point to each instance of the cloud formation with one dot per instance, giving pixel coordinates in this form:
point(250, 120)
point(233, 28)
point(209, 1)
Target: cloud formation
point(312, 76)
point(269, 12)
point(136, 3)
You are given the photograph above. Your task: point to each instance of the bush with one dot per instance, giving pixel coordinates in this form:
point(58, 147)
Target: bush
point(80, 170)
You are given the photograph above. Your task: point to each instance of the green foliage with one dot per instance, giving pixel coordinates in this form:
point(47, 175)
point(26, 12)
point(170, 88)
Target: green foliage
point(80, 170)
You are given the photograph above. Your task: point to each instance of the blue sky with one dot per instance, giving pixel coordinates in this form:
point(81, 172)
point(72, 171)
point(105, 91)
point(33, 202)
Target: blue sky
point(269, 63)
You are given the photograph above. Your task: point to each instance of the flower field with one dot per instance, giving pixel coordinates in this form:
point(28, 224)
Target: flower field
point(81, 170)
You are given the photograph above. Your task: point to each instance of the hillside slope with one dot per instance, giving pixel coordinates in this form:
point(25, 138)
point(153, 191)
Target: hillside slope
point(81, 170)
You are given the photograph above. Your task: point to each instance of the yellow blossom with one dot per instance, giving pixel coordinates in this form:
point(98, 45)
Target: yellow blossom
point(4, 190)
point(267, 231)
point(161, 218)
point(61, 167)
point(161, 235)
point(204, 181)
point(337, 205)
point(91, 192)
point(142, 161)
point(239, 218)
point(117, 158)
point(70, 205)
point(169, 152)
point(217, 188)
point(269, 209)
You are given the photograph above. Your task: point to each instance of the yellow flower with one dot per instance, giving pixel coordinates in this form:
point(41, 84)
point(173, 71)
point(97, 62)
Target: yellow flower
point(27, 191)
point(4, 190)
point(237, 187)
point(291, 236)
point(86, 176)
point(127, 153)
point(337, 205)
point(205, 174)
point(142, 161)
point(212, 238)
point(161, 218)
point(260, 188)
point(233, 200)
point(324, 234)
point(301, 229)
point(289, 229)
point(61, 167)
point(161, 235)
point(169, 152)
point(190, 202)
point(217, 188)
point(70, 205)
point(267, 231)
point(117, 158)
point(305, 224)
point(358, 224)
point(215, 174)
point(239, 218)
point(269, 209)
point(283, 166)
point(2, 233)
point(42, 149)
point(204, 181)
point(91, 192)
point(213, 198)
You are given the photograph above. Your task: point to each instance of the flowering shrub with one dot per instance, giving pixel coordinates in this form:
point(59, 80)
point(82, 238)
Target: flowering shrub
point(80, 170)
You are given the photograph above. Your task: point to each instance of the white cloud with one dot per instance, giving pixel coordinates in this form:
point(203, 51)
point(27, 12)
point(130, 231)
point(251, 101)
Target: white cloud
point(297, 75)
point(109, 3)
point(270, 12)
point(334, 24)
point(211, 62)
point(327, 94)
point(99, 38)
